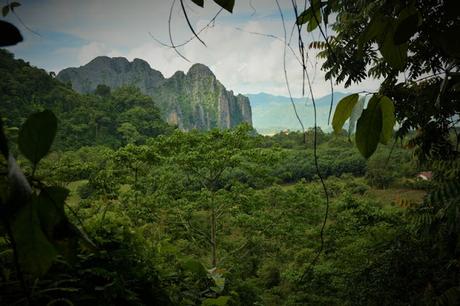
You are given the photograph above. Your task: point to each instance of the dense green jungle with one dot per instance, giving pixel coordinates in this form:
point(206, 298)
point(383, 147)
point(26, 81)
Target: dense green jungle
point(103, 202)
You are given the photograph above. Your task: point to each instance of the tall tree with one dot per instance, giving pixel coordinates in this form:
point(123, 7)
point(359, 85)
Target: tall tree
point(206, 157)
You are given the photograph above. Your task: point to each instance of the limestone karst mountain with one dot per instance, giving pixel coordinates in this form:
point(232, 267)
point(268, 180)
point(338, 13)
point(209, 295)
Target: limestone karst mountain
point(195, 99)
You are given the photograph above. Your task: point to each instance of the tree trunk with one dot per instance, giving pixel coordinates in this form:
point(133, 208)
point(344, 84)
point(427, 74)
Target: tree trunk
point(135, 186)
point(213, 238)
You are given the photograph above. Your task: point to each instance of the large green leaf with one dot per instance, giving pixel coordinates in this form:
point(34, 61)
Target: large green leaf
point(355, 114)
point(395, 55)
point(50, 209)
point(195, 267)
point(343, 111)
point(219, 282)
point(226, 4)
point(5, 10)
point(449, 41)
point(14, 5)
point(369, 127)
point(388, 119)
point(373, 30)
point(10, 35)
point(314, 21)
point(37, 134)
point(54, 223)
point(305, 16)
point(406, 28)
point(35, 252)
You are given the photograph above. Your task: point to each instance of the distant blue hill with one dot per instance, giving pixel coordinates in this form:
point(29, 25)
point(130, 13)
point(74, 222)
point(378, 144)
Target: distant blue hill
point(271, 114)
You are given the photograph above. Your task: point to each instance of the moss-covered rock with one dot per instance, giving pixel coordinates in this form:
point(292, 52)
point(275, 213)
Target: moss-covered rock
point(196, 100)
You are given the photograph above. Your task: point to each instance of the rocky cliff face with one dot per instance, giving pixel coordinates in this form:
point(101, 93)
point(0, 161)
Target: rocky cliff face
point(114, 72)
point(196, 100)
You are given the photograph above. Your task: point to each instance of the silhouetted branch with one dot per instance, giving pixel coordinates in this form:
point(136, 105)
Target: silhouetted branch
point(332, 102)
point(207, 26)
point(188, 22)
point(315, 144)
point(285, 73)
point(170, 33)
point(274, 37)
point(253, 8)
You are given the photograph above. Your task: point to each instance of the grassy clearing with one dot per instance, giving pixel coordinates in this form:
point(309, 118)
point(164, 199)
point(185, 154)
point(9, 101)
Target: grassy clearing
point(397, 195)
point(74, 198)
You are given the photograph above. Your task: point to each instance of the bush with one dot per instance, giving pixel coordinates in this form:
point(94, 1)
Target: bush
point(379, 178)
point(85, 191)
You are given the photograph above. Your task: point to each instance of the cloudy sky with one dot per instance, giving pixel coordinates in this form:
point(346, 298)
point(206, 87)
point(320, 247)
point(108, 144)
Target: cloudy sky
point(71, 33)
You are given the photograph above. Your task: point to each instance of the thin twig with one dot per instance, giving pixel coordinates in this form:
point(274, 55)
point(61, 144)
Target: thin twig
point(301, 46)
point(170, 33)
point(332, 102)
point(274, 37)
point(329, 48)
point(188, 22)
point(24, 25)
point(285, 73)
point(315, 144)
point(207, 26)
point(428, 77)
point(253, 8)
point(391, 151)
point(318, 172)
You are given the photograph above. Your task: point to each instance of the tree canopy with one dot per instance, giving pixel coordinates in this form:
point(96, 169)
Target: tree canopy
point(122, 209)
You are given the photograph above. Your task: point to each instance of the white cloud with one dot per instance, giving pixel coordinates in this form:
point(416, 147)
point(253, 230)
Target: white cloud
point(90, 51)
point(243, 62)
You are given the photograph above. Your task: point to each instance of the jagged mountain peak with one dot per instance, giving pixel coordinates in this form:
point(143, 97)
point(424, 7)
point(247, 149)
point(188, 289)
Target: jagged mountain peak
point(137, 62)
point(103, 59)
point(179, 74)
point(121, 64)
point(192, 100)
point(199, 69)
point(113, 72)
point(109, 61)
point(100, 59)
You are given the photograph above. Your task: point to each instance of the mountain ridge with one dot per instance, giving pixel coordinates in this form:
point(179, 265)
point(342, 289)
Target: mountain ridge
point(192, 100)
point(274, 113)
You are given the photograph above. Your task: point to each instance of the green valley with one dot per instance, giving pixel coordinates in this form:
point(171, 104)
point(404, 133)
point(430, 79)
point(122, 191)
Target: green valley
point(120, 186)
